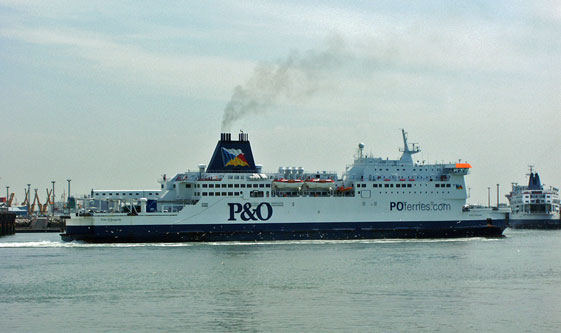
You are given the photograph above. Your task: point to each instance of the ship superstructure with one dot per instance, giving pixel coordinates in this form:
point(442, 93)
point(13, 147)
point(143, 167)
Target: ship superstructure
point(534, 207)
point(233, 199)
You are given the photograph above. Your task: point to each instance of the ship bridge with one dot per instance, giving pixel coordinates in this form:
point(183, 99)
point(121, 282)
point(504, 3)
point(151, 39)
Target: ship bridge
point(368, 168)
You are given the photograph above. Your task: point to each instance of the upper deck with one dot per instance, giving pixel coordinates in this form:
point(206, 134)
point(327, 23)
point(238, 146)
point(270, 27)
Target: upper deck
point(232, 172)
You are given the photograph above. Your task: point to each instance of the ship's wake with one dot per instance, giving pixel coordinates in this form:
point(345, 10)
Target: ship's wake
point(61, 244)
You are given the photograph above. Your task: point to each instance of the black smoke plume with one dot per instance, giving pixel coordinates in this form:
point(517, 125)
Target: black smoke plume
point(294, 79)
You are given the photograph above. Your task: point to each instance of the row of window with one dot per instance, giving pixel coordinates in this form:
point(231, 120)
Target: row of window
point(296, 194)
point(124, 194)
point(217, 194)
point(401, 185)
point(241, 177)
point(391, 185)
point(227, 185)
point(233, 185)
point(253, 194)
point(386, 185)
point(415, 192)
point(420, 169)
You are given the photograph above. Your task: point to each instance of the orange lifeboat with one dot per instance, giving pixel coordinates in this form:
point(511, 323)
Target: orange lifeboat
point(288, 183)
point(344, 189)
point(320, 183)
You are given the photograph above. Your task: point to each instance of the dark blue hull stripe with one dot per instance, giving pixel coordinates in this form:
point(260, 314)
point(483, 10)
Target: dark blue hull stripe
point(535, 224)
point(284, 231)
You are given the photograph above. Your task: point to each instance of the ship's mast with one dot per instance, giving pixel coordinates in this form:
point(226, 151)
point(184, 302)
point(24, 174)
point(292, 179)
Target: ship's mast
point(406, 156)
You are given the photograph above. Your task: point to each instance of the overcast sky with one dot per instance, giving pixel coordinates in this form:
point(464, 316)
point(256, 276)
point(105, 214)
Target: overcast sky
point(114, 94)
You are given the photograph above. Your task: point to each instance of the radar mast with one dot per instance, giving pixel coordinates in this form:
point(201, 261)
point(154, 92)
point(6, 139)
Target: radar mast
point(406, 156)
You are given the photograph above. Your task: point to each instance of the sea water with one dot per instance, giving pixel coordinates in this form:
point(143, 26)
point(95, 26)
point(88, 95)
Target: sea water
point(510, 284)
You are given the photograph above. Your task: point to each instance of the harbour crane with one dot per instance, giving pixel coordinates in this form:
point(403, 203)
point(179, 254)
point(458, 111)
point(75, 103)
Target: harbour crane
point(43, 207)
point(35, 200)
point(11, 199)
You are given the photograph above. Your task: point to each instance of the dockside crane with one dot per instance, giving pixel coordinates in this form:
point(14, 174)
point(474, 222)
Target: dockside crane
point(43, 207)
point(35, 199)
point(26, 201)
point(11, 199)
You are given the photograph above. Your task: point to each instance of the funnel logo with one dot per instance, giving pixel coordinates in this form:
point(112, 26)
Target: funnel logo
point(233, 157)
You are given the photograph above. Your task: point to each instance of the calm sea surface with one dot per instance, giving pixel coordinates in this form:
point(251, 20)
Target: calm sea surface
point(511, 284)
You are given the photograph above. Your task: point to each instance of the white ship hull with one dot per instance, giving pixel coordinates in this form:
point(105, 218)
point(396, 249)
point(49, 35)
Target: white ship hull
point(292, 218)
point(535, 221)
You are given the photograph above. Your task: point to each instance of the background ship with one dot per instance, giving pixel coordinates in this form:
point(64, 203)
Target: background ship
point(534, 207)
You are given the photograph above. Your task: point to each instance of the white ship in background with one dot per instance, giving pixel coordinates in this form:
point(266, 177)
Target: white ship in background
point(534, 207)
point(232, 199)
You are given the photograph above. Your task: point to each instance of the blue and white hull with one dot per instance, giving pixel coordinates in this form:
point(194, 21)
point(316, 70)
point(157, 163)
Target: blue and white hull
point(535, 221)
point(319, 218)
point(284, 231)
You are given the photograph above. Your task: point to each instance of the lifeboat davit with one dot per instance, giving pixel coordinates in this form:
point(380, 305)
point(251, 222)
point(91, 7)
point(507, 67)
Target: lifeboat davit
point(288, 183)
point(320, 183)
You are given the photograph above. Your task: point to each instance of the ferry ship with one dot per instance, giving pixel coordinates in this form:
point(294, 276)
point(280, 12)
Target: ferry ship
point(232, 199)
point(534, 207)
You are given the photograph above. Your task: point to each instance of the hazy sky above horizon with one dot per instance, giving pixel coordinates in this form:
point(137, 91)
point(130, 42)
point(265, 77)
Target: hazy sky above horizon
point(114, 94)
